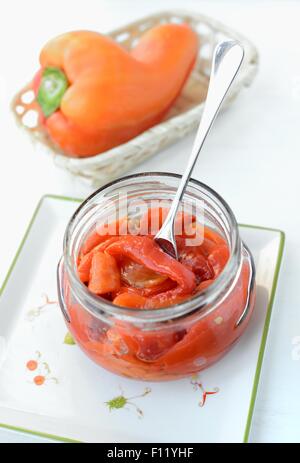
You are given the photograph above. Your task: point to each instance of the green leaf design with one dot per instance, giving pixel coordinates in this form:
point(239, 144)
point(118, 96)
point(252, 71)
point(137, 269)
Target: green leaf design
point(69, 339)
point(117, 402)
point(52, 88)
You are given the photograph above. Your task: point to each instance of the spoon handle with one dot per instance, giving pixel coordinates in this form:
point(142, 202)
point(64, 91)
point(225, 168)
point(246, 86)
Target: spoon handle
point(227, 60)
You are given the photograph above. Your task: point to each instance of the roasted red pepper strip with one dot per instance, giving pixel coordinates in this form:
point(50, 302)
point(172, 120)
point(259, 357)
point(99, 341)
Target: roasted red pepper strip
point(105, 275)
point(131, 300)
point(143, 250)
point(84, 266)
point(193, 258)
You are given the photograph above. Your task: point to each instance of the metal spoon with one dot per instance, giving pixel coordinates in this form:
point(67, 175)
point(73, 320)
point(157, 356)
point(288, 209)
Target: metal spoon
point(227, 59)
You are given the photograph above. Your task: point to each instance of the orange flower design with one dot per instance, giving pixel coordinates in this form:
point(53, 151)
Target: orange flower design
point(41, 369)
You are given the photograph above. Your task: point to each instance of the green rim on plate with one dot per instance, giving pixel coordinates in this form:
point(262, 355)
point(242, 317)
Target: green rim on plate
point(266, 326)
point(262, 344)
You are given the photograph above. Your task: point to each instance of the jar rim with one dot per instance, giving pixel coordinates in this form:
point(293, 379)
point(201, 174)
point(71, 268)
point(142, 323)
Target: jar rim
point(203, 302)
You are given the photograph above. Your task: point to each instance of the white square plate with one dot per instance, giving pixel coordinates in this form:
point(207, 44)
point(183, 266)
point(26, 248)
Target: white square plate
point(72, 402)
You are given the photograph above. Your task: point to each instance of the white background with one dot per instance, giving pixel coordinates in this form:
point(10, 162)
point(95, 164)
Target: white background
point(251, 157)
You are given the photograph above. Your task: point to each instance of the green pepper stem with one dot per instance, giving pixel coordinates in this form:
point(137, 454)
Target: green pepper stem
point(52, 88)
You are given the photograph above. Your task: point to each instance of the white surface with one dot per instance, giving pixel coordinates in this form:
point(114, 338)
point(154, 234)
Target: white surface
point(74, 406)
point(251, 157)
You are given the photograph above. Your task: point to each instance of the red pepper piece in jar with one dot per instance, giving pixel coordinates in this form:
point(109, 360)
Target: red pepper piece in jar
point(105, 275)
point(143, 250)
point(85, 263)
point(152, 346)
point(138, 276)
point(193, 258)
point(130, 300)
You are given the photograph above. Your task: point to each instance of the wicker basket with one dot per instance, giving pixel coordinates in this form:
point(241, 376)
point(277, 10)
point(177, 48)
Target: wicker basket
point(181, 119)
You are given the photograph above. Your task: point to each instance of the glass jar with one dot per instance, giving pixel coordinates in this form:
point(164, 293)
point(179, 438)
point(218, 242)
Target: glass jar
point(166, 343)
